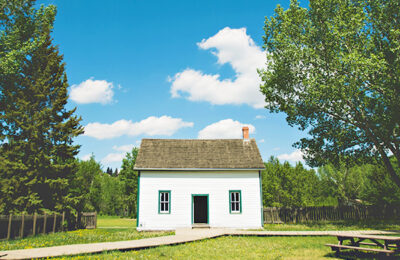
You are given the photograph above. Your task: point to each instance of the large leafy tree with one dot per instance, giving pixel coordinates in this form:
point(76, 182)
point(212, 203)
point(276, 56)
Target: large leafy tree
point(37, 131)
point(334, 69)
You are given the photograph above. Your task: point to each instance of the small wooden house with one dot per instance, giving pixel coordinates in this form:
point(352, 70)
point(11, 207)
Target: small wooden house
point(186, 183)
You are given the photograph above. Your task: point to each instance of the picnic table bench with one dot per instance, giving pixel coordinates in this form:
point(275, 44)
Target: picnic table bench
point(383, 244)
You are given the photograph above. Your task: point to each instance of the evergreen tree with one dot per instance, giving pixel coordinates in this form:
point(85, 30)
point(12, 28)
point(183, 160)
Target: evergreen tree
point(18, 37)
point(37, 130)
point(115, 174)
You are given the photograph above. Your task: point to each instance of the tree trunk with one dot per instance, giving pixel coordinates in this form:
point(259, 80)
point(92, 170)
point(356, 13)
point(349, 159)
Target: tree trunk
point(390, 168)
point(384, 156)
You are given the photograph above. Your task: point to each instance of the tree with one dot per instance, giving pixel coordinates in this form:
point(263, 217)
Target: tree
point(109, 171)
point(129, 178)
point(343, 183)
point(288, 186)
point(112, 199)
point(37, 130)
point(334, 69)
point(18, 22)
point(378, 189)
point(85, 185)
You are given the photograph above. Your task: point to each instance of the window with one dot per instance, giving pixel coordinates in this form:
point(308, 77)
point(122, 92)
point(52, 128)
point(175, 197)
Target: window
point(235, 201)
point(164, 201)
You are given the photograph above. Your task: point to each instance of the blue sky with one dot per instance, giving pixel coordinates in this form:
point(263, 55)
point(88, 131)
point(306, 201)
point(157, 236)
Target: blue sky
point(167, 69)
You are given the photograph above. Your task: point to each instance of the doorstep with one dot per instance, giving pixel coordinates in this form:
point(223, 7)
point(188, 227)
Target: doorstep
point(200, 225)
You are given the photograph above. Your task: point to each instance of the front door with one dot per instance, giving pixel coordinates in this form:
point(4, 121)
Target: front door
point(200, 208)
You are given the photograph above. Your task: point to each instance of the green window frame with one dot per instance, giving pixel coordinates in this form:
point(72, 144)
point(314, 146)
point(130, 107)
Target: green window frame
point(164, 202)
point(235, 201)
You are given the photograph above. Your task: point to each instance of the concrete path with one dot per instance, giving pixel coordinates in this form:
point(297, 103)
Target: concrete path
point(181, 236)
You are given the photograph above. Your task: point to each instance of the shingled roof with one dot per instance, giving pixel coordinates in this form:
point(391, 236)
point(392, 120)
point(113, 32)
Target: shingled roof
point(182, 154)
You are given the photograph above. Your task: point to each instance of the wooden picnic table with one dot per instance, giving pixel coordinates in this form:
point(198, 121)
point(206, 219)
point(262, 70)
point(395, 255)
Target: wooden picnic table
point(381, 244)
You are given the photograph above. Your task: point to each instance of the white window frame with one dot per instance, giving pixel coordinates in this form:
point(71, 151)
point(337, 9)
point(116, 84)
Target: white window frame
point(235, 203)
point(164, 202)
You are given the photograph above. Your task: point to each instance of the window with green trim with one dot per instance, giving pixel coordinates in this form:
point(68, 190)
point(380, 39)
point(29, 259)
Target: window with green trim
point(235, 201)
point(164, 201)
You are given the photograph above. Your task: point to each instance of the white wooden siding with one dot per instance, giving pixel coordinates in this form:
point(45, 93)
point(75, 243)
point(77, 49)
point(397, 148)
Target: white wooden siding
point(183, 184)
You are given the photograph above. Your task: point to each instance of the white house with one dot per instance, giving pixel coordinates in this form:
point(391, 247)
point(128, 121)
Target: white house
point(187, 183)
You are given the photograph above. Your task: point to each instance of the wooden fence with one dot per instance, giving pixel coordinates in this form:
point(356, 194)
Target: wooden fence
point(89, 220)
point(19, 226)
point(310, 214)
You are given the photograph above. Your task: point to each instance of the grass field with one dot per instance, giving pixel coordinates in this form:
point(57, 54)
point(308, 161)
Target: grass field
point(115, 222)
point(109, 229)
point(238, 248)
point(115, 229)
point(256, 247)
point(336, 225)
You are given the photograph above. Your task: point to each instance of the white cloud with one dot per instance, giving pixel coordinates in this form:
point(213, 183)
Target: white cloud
point(224, 129)
point(117, 157)
point(92, 91)
point(260, 117)
point(164, 125)
point(277, 148)
point(113, 157)
point(295, 156)
point(231, 46)
point(86, 157)
point(261, 141)
point(123, 148)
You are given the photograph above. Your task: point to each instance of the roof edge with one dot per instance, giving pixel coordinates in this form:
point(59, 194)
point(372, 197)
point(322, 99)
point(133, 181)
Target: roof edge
point(198, 169)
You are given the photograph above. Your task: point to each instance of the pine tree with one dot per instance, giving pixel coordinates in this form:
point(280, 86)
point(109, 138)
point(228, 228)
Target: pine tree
point(38, 131)
point(19, 23)
point(109, 171)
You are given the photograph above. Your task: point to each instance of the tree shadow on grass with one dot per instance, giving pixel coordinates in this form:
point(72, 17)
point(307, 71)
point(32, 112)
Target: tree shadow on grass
point(360, 255)
point(357, 224)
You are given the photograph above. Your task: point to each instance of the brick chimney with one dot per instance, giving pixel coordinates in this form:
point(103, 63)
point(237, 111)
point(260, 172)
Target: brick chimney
point(245, 131)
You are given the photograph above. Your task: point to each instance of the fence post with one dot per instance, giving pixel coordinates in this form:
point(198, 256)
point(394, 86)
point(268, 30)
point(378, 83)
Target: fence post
point(54, 223)
point(95, 219)
point(34, 224)
point(21, 232)
point(9, 226)
point(44, 223)
point(62, 221)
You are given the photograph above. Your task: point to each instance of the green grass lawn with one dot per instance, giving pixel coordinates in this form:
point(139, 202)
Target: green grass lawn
point(336, 225)
point(232, 248)
point(115, 222)
point(109, 229)
point(115, 229)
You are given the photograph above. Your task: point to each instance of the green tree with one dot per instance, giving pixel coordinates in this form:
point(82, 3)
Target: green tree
point(378, 189)
point(288, 186)
point(334, 69)
point(86, 185)
point(343, 183)
point(37, 130)
point(112, 199)
point(129, 178)
point(109, 171)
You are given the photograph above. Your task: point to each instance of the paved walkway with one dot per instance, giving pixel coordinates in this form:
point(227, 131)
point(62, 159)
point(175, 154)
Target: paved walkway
point(181, 236)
